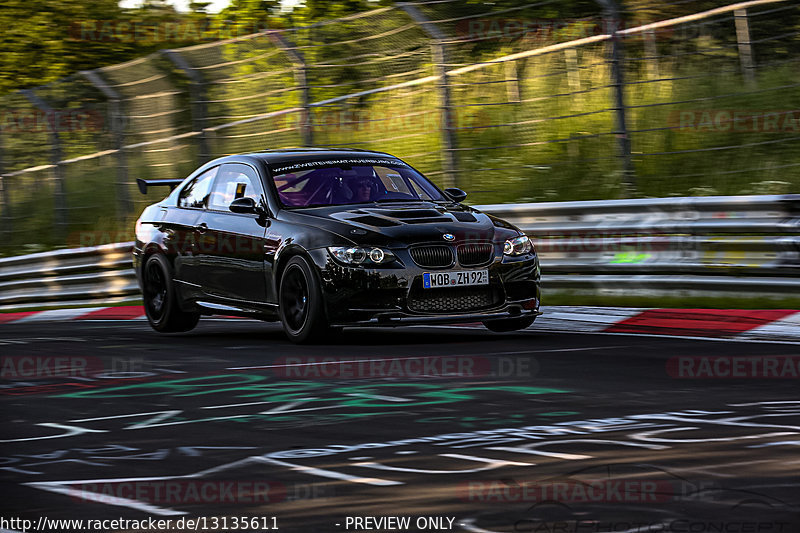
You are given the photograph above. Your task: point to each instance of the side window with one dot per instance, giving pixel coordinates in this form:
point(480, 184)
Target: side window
point(196, 192)
point(235, 181)
point(392, 180)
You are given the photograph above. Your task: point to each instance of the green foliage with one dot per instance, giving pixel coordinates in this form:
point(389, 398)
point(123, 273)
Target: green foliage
point(36, 42)
point(44, 40)
point(311, 11)
point(540, 128)
point(669, 301)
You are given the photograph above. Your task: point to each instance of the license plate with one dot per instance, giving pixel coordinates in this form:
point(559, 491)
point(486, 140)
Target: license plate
point(433, 280)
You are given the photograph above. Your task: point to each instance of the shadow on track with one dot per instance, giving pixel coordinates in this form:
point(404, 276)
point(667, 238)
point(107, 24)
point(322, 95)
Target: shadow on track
point(271, 333)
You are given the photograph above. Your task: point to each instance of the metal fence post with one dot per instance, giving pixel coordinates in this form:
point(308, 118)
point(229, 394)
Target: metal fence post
point(611, 15)
point(745, 46)
point(651, 51)
point(5, 206)
point(301, 79)
point(197, 94)
point(441, 61)
point(117, 125)
point(573, 74)
point(512, 81)
point(56, 157)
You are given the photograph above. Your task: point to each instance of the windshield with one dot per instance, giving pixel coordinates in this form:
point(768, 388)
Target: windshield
point(345, 184)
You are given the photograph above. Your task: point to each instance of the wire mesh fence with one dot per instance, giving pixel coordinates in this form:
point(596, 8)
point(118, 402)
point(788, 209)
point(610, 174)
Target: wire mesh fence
point(503, 100)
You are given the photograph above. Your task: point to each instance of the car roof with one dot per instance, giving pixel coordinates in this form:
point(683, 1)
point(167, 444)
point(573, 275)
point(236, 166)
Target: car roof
point(297, 155)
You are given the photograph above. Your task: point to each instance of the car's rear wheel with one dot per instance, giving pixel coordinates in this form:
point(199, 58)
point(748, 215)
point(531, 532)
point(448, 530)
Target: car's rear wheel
point(301, 305)
point(160, 298)
point(509, 324)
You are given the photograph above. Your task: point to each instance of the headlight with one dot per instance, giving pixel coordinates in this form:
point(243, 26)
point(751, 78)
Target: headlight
point(359, 255)
point(518, 246)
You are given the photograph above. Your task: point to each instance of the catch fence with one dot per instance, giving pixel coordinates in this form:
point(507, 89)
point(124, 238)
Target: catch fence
point(502, 101)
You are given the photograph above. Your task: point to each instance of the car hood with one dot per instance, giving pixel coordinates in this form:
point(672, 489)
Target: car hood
point(401, 224)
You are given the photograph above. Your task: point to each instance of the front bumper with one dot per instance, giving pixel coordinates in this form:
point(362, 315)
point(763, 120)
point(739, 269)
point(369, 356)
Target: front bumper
point(393, 295)
point(391, 319)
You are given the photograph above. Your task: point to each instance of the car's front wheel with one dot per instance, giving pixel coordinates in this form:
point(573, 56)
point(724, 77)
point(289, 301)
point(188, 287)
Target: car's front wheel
point(301, 306)
point(509, 324)
point(161, 300)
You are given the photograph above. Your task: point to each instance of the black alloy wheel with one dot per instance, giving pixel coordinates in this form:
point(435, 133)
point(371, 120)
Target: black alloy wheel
point(301, 307)
point(160, 298)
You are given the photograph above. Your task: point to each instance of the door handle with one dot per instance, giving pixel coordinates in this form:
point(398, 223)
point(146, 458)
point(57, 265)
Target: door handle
point(201, 228)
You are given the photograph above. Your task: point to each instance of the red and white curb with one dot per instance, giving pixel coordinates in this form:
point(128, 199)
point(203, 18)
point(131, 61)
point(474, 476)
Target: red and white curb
point(128, 312)
point(743, 324)
point(740, 324)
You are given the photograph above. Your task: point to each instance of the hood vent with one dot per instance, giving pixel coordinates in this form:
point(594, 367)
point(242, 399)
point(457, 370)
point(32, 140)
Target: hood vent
point(409, 213)
point(463, 216)
point(375, 221)
point(426, 220)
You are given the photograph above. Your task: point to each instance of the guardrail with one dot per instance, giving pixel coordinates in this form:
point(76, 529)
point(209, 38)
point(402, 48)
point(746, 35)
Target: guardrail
point(746, 246)
point(97, 275)
point(742, 246)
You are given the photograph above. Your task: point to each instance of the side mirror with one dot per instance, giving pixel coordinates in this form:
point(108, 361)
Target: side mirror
point(456, 194)
point(245, 205)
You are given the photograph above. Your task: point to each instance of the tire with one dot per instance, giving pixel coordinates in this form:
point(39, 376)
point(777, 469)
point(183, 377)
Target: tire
point(161, 300)
point(300, 303)
point(509, 324)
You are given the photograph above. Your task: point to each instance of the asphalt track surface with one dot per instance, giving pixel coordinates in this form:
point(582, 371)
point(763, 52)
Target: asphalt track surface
point(530, 431)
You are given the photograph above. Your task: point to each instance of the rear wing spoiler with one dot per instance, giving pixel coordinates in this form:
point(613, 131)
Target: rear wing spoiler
point(144, 184)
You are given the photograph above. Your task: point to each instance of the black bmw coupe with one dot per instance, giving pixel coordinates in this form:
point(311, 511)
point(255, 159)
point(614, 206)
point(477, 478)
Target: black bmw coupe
point(321, 239)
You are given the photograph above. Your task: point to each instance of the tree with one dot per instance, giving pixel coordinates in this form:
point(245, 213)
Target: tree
point(44, 40)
